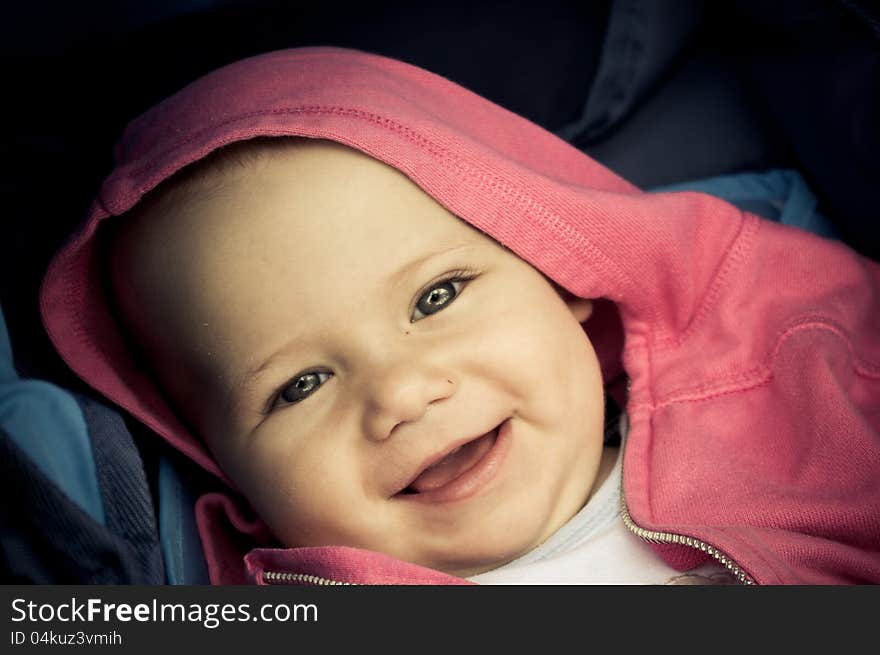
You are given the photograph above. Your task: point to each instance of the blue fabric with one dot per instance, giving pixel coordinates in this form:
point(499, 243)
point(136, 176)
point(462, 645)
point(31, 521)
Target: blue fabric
point(779, 195)
point(181, 544)
point(82, 510)
point(122, 480)
point(45, 538)
point(46, 423)
point(56, 431)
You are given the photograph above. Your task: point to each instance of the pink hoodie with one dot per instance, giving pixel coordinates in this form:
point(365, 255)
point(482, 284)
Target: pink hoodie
point(752, 348)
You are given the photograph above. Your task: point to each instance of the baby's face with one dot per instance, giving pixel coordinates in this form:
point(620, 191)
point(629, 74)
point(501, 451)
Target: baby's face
point(367, 368)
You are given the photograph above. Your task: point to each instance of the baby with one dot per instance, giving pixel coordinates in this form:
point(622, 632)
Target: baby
point(367, 369)
point(388, 313)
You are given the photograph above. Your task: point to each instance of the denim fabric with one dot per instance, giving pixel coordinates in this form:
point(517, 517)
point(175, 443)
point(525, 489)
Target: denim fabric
point(122, 481)
point(46, 423)
point(80, 509)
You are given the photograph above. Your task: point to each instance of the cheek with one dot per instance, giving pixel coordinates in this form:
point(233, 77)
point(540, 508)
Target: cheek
point(536, 337)
point(549, 365)
point(303, 492)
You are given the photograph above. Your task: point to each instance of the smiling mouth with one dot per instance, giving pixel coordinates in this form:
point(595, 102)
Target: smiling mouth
point(460, 472)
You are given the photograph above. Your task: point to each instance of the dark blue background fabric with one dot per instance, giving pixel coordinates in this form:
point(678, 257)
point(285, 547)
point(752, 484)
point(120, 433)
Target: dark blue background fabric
point(128, 500)
point(45, 538)
point(35, 413)
point(77, 503)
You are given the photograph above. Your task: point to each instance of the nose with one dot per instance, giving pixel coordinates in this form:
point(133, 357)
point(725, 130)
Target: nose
point(400, 392)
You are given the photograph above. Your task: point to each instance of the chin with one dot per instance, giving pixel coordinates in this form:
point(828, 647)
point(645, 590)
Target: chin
point(485, 561)
point(462, 570)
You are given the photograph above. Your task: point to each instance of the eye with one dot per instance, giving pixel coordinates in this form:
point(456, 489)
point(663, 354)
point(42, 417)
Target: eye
point(301, 387)
point(438, 296)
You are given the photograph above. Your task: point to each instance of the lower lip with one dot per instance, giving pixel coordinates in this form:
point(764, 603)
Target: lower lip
point(475, 478)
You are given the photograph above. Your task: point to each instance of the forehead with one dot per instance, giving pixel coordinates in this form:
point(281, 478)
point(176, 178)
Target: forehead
point(309, 204)
point(323, 215)
point(283, 239)
point(326, 195)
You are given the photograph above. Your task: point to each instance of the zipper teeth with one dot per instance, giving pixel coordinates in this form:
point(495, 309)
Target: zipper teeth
point(277, 577)
point(652, 536)
point(671, 538)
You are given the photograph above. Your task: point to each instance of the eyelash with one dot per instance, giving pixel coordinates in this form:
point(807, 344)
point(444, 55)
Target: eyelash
point(462, 276)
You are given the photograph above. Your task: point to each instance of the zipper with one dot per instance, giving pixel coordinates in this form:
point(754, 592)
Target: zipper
point(655, 537)
point(277, 577)
point(651, 536)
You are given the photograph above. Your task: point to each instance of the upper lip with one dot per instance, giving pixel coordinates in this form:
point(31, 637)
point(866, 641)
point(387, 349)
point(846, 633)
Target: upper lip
point(437, 456)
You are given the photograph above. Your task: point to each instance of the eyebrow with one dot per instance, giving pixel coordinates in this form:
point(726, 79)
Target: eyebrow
point(249, 380)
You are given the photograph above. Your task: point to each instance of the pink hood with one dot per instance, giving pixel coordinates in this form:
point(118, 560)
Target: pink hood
point(752, 349)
